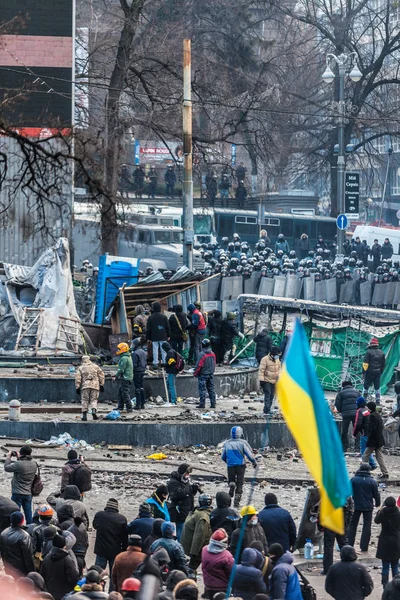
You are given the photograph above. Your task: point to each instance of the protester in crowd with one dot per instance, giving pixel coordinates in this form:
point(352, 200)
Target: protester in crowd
point(65, 515)
point(72, 496)
point(204, 371)
point(373, 367)
point(181, 495)
point(173, 547)
point(392, 589)
point(361, 427)
point(178, 324)
point(241, 195)
point(263, 343)
point(7, 507)
point(224, 517)
point(248, 580)
point(158, 330)
point(375, 441)
point(24, 469)
point(16, 547)
point(229, 330)
point(197, 327)
point(197, 531)
point(252, 532)
point(139, 363)
point(268, 374)
point(89, 382)
point(264, 563)
point(68, 471)
point(111, 535)
point(125, 376)
point(330, 537)
point(173, 365)
point(142, 525)
point(215, 333)
point(366, 496)
point(46, 518)
point(154, 535)
point(234, 453)
point(388, 550)
point(284, 582)
point(278, 524)
point(59, 570)
point(174, 577)
point(158, 503)
point(346, 405)
point(348, 579)
point(81, 545)
point(128, 561)
point(216, 564)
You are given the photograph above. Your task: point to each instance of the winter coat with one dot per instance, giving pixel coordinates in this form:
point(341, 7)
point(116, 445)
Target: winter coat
point(89, 377)
point(176, 333)
point(269, 369)
point(359, 247)
point(68, 472)
point(72, 497)
point(252, 533)
point(361, 424)
point(229, 330)
point(375, 360)
point(216, 566)
point(158, 328)
point(205, 364)
point(159, 508)
point(284, 246)
point(235, 451)
point(90, 591)
point(142, 526)
point(224, 517)
point(392, 589)
point(375, 433)
point(82, 539)
point(278, 526)
point(111, 536)
point(181, 495)
point(303, 247)
point(215, 329)
point(126, 564)
point(155, 535)
point(139, 360)
point(125, 367)
point(389, 538)
point(386, 250)
point(284, 583)
point(365, 491)
point(17, 551)
point(170, 361)
point(348, 579)
point(59, 572)
point(197, 321)
point(263, 345)
point(376, 250)
point(248, 580)
point(24, 470)
point(196, 531)
point(346, 401)
point(7, 507)
point(175, 553)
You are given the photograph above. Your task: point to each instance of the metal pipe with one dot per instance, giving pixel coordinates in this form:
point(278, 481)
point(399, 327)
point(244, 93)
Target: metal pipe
point(187, 158)
point(341, 161)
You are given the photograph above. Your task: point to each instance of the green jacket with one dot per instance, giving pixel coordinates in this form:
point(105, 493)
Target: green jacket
point(196, 531)
point(125, 367)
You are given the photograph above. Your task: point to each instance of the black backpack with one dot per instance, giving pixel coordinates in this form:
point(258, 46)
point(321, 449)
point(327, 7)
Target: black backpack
point(180, 363)
point(82, 478)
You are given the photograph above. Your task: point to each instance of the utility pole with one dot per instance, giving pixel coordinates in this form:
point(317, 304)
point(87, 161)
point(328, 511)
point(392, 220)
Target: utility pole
point(341, 161)
point(188, 233)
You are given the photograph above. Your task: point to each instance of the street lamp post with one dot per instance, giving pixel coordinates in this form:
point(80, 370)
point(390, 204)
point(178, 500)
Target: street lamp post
point(346, 65)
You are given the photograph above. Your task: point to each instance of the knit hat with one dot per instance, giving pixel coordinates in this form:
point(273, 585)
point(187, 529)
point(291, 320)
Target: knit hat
point(58, 541)
point(112, 503)
point(220, 535)
point(16, 518)
point(186, 590)
point(184, 468)
point(49, 532)
point(174, 577)
point(145, 510)
point(374, 342)
point(364, 467)
point(276, 550)
point(371, 406)
point(134, 540)
point(360, 401)
point(167, 529)
point(390, 501)
point(72, 455)
point(162, 490)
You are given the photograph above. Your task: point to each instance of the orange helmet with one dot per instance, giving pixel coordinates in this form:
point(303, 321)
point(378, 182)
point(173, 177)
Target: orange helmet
point(131, 585)
point(123, 347)
point(44, 510)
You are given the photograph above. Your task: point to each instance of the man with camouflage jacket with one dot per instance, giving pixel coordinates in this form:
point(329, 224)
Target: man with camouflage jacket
point(89, 381)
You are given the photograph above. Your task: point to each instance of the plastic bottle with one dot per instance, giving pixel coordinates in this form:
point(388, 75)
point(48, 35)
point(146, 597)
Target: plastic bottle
point(308, 550)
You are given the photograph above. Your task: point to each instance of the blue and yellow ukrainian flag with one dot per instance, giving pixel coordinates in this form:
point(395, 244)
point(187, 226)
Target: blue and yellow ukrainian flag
point(311, 423)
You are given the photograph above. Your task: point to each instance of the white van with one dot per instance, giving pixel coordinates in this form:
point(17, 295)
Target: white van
point(372, 232)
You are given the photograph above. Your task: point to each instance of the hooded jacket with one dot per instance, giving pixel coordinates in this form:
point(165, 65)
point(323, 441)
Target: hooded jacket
point(392, 589)
point(155, 535)
point(181, 495)
point(142, 525)
point(17, 551)
point(157, 328)
point(252, 533)
point(216, 565)
point(7, 507)
point(126, 564)
point(159, 507)
point(125, 367)
point(229, 330)
point(81, 539)
point(278, 525)
point(375, 359)
point(285, 584)
point(196, 531)
point(71, 495)
point(269, 369)
point(111, 536)
point(346, 401)
point(263, 344)
point(365, 491)
point(205, 364)
point(248, 580)
point(24, 470)
point(59, 572)
point(139, 361)
point(224, 517)
point(175, 552)
point(176, 331)
point(236, 450)
point(173, 578)
point(348, 579)
point(197, 321)
point(361, 424)
point(386, 250)
point(389, 538)
point(214, 329)
point(68, 471)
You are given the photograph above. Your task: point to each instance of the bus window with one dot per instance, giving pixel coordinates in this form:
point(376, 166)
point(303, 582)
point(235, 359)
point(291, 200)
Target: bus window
point(202, 224)
point(286, 227)
point(300, 227)
point(272, 222)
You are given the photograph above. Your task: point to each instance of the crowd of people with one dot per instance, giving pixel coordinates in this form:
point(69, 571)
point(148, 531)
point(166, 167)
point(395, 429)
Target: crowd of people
point(223, 185)
point(180, 531)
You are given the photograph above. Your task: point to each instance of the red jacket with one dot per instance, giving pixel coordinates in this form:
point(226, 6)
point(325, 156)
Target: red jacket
point(205, 364)
point(216, 566)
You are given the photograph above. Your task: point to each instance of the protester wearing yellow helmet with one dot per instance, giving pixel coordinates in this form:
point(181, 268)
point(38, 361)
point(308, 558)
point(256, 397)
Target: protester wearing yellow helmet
point(125, 375)
point(253, 532)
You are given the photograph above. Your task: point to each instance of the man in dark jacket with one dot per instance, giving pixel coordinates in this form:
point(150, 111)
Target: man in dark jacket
point(173, 547)
point(229, 330)
point(171, 362)
point(68, 470)
point(224, 517)
point(361, 427)
point(111, 535)
point(388, 549)
point(284, 582)
point(392, 589)
point(139, 363)
point(154, 535)
point(277, 523)
point(178, 323)
point(173, 578)
point(330, 537)
point(24, 470)
point(365, 496)
point(263, 344)
point(204, 371)
point(348, 580)
point(197, 531)
point(346, 405)
point(181, 495)
point(375, 440)
point(215, 333)
point(387, 249)
point(158, 330)
point(143, 524)
point(252, 532)
point(7, 507)
point(248, 580)
point(373, 367)
point(59, 570)
point(17, 548)
point(375, 253)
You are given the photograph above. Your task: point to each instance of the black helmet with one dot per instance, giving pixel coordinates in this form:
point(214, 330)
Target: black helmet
point(205, 500)
point(205, 343)
point(353, 254)
point(311, 253)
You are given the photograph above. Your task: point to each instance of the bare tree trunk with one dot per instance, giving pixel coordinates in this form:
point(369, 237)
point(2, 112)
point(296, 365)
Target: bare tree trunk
point(114, 131)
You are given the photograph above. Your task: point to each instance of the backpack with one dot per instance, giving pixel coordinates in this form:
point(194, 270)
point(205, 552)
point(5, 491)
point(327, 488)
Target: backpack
point(180, 363)
point(82, 478)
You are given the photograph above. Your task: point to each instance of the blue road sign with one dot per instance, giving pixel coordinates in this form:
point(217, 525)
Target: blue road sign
point(341, 222)
point(137, 152)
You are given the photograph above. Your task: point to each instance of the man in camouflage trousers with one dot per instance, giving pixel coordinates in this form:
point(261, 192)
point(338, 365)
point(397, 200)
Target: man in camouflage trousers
point(89, 381)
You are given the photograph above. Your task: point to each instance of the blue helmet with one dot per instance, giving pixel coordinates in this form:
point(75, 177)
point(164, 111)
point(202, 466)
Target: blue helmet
point(236, 432)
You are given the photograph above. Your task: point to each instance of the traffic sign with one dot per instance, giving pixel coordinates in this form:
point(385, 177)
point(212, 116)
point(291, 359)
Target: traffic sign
point(352, 195)
point(341, 222)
